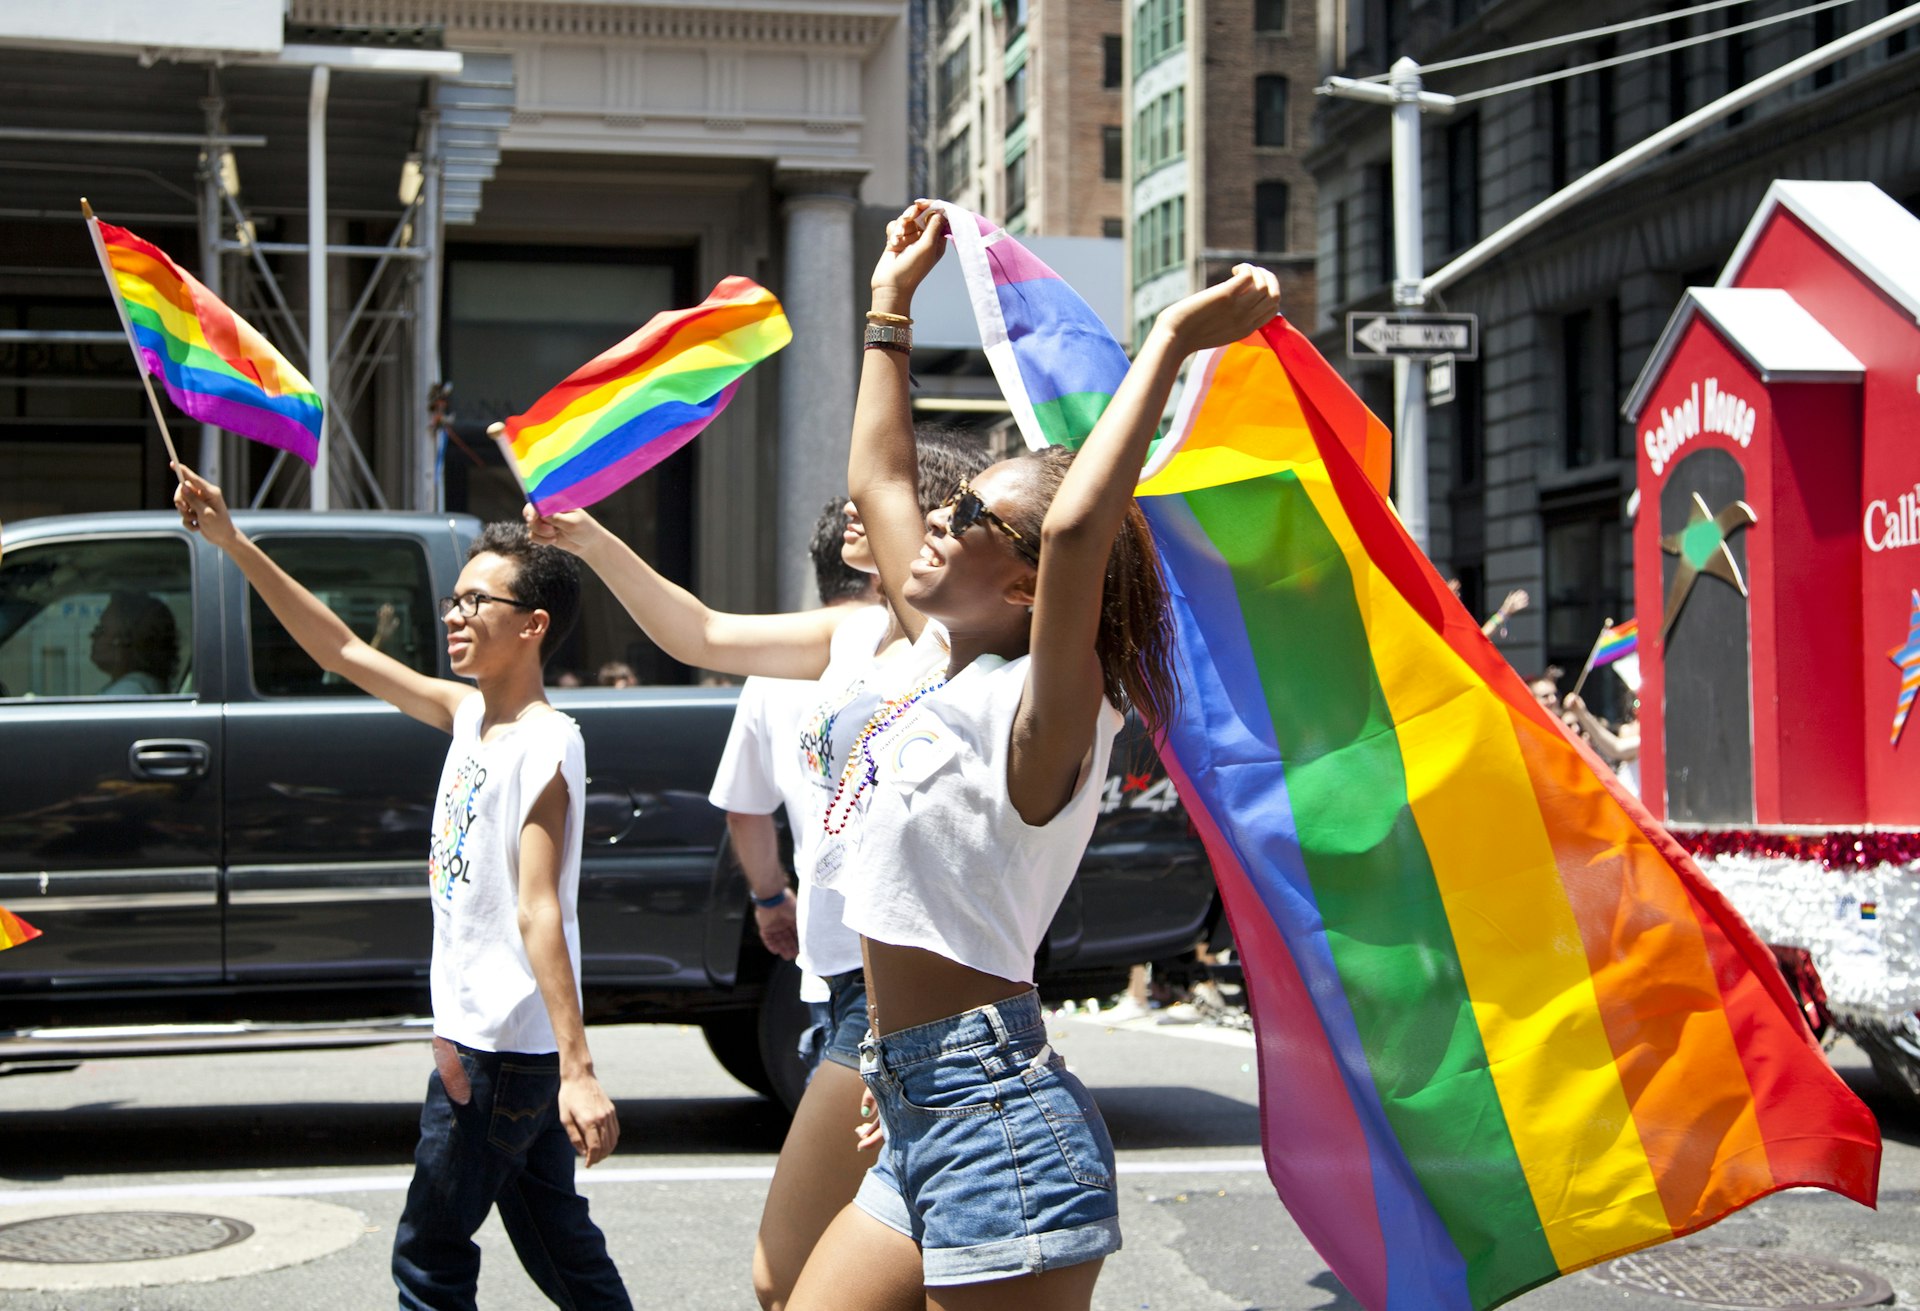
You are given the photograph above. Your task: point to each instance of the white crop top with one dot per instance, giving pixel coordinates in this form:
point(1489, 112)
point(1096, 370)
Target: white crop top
point(934, 855)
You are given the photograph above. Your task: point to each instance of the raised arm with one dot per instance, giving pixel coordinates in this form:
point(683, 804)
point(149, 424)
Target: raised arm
point(320, 632)
point(1062, 699)
point(882, 471)
point(681, 624)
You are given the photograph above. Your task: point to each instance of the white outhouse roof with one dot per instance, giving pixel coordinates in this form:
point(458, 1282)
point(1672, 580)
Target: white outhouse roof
point(1868, 228)
point(1769, 328)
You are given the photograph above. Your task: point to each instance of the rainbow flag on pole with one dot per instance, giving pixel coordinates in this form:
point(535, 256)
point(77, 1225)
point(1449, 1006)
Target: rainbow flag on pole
point(1506, 1028)
point(1620, 640)
point(14, 930)
point(212, 362)
point(631, 407)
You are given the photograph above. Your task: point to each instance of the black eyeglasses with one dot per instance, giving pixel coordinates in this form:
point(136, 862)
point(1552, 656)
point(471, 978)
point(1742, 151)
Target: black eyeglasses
point(469, 603)
point(968, 510)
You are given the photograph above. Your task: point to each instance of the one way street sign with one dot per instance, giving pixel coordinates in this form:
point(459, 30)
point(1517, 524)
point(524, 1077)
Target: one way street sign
point(1414, 336)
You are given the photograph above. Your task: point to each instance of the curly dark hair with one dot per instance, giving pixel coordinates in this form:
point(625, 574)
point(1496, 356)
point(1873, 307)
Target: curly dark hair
point(1135, 640)
point(836, 579)
point(947, 456)
point(544, 576)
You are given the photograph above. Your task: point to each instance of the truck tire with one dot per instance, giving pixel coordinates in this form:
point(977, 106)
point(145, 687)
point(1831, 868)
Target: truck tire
point(761, 1048)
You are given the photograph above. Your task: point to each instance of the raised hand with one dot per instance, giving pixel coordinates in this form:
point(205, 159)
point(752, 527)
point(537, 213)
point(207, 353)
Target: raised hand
point(573, 531)
point(1224, 313)
point(202, 508)
point(915, 242)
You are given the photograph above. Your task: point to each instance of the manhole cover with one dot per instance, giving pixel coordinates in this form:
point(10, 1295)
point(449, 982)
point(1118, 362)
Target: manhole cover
point(1743, 1277)
point(103, 1236)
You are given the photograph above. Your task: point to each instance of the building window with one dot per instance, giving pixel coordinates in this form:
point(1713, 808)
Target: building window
point(1111, 67)
point(1269, 110)
point(1381, 178)
point(956, 163)
point(1342, 252)
point(1584, 549)
point(1589, 390)
point(956, 72)
point(1016, 185)
point(1270, 15)
point(1160, 239)
point(1270, 205)
point(1016, 18)
point(943, 11)
point(1113, 227)
point(1463, 183)
point(1160, 131)
point(1603, 107)
point(1016, 97)
point(1159, 28)
point(1559, 133)
point(1113, 155)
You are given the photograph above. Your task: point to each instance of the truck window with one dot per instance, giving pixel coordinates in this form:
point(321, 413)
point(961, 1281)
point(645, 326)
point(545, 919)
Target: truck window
point(379, 585)
point(108, 617)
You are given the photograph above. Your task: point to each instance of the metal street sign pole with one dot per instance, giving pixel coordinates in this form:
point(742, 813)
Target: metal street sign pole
point(1409, 99)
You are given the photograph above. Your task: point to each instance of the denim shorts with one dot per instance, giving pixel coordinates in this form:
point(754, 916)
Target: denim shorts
point(839, 1023)
point(996, 1160)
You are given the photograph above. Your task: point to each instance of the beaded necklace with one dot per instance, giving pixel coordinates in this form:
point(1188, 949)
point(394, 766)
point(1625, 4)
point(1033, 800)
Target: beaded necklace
point(884, 718)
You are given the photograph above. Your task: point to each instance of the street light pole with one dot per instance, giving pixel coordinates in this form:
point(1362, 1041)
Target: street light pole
point(1409, 266)
point(1409, 98)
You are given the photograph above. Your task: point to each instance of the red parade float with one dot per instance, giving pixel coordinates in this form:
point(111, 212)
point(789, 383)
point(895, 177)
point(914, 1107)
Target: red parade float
point(1776, 564)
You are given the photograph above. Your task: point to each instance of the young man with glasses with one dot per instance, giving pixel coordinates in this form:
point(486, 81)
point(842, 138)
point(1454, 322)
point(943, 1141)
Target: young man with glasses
point(513, 1095)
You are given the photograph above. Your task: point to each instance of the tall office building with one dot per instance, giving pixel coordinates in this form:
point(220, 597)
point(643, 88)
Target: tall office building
point(1219, 109)
point(1025, 122)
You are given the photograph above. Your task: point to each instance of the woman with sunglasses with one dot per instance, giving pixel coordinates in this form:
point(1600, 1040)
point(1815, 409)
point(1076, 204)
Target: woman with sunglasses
point(820, 1164)
point(970, 784)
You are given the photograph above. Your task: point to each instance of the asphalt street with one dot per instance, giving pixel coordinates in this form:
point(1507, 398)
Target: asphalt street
point(312, 1150)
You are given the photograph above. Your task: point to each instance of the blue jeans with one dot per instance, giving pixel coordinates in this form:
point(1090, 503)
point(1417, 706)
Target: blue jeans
point(996, 1162)
point(504, 1145)
point(837, 1024)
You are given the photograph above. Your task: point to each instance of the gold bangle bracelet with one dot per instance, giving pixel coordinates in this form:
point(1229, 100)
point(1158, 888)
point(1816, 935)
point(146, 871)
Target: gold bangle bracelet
point(881, 316)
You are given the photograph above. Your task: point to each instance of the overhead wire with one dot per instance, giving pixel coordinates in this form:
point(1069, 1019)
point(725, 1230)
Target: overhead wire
point(1612, 61)
point(1576, 38)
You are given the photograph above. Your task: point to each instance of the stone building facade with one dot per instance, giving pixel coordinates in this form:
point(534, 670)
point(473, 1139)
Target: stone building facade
point(1531, 468)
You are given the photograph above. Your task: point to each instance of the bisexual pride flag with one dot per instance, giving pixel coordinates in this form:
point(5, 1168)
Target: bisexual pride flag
point(1506, 1029)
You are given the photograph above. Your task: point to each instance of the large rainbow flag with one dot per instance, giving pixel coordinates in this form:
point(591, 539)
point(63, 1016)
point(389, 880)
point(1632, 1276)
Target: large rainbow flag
point(635, 404)
point(212, 362)
point(1506, 1028)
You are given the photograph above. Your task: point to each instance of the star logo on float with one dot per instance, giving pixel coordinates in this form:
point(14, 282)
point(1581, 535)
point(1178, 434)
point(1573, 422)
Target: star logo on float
point(1702, 548)
point(1907, 657)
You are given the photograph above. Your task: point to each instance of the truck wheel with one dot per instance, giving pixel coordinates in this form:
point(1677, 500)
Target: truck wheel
point(762, 1048)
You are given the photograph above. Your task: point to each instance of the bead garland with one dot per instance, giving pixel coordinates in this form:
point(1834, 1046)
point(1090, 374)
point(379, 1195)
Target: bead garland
point(884, 718)
point(1832, 849)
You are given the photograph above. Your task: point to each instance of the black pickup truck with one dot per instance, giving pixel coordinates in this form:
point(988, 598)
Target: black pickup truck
point(224, 846)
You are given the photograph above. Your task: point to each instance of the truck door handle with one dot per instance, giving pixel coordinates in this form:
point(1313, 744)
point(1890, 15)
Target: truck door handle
point(168, 758)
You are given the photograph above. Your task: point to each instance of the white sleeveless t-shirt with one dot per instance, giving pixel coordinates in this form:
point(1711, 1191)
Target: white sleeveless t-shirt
point(932, 853)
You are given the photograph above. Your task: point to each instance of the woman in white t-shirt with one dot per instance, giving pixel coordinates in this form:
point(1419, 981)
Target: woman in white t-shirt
point(820, 1164)
point(968, 784)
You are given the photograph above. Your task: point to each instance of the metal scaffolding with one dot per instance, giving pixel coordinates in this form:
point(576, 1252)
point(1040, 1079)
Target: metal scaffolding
point(379, 371)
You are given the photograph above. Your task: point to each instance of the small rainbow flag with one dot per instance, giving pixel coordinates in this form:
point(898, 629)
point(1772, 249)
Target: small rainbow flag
point(212, 362)
point(631, 407)
point(1506, 1028)
point(14, 930)
point(1620, 640)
